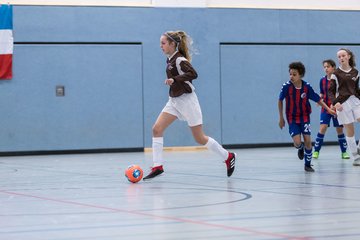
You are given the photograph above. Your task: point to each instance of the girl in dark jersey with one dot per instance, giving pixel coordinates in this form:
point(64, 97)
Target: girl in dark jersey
point(183, 103)
point(344, 95)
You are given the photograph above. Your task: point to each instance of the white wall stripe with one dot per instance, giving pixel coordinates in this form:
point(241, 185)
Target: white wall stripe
point(179, 3)
point(286, 4)
point(6, 42)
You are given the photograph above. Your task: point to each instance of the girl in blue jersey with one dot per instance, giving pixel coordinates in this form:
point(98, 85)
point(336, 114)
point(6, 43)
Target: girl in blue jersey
point(183, 103)
point(297, 94)
point(325, 117)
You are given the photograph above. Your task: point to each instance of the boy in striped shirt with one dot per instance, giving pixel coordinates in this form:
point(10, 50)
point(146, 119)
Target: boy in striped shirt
point(297, 94)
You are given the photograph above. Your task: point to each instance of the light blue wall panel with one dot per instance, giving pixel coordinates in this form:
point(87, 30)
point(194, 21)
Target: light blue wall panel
point(102, 103)
point(250, 87)
point(208, 27)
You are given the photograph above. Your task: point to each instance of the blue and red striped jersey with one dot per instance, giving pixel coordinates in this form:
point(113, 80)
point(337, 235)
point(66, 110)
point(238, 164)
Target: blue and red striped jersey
point(298, 106)
point(324, 86)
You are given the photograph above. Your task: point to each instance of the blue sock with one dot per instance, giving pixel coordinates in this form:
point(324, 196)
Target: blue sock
point(342, 142)
point(319, 142)
point(308, 157)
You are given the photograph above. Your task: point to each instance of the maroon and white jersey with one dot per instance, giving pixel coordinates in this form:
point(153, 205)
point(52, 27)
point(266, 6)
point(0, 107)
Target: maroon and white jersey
point(343, 85)
point(181, 70)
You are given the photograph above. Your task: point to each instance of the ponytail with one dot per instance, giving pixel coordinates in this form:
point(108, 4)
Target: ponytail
point(182, 40)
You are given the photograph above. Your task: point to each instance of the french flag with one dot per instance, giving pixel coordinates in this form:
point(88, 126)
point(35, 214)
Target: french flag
point(6, 41)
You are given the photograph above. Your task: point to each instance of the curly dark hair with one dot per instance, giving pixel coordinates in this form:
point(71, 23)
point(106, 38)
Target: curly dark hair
point(299, 66)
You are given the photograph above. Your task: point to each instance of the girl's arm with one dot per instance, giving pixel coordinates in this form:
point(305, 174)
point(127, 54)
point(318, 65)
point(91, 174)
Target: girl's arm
point(186, 72)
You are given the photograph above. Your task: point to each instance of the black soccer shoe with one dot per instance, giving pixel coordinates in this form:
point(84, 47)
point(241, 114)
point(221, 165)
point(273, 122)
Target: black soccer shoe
point(155, 171)
point(230, 164)
point(308, 168)
point(301, 153)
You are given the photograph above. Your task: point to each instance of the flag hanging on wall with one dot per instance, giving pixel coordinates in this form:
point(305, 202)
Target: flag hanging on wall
point(6, 41)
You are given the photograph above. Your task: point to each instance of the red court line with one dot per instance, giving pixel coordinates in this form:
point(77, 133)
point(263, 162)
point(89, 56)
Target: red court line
point(182, 220)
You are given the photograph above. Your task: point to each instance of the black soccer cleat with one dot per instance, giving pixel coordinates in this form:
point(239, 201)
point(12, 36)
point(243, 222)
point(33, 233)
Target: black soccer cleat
point(308, 168)
point(155, 171)
point(301, 153)
point(230, 163)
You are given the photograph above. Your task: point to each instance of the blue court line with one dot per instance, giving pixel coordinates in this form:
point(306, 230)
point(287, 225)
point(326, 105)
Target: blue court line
point(288, 215)
point(87, 228)
point(335, 236)
point(246, 196)
point(162, 217)
point(268, 191)
point(268, 180)
point(305, 195)
point(19, 167)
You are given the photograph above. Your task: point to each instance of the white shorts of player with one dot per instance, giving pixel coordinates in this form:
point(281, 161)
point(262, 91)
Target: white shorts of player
point(350, 112)
point(186, 108)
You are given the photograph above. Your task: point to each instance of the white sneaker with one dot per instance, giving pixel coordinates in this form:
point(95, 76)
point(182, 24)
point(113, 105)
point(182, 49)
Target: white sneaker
point(356, 161)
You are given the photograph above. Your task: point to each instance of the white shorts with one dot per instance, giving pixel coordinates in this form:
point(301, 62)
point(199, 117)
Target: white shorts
point(186, 108)
point(350, 112)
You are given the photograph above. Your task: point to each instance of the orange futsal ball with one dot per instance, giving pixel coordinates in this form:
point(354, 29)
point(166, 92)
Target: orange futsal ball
point(134, 173)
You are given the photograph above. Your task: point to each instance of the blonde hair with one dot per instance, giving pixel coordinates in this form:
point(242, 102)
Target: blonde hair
point(182, 41)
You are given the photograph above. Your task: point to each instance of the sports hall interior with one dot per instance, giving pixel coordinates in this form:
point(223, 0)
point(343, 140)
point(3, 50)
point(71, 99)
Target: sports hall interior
point(63, 157)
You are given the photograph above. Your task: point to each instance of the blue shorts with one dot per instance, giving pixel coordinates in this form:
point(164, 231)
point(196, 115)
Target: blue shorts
point(325, 118)
point(299, 128)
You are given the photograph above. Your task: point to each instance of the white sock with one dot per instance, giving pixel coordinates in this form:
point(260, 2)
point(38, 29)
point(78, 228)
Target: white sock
point(157, 148)
point(351, 145)
point(217, 148)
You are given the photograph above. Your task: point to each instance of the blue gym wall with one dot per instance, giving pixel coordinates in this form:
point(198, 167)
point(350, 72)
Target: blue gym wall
point(109, 60)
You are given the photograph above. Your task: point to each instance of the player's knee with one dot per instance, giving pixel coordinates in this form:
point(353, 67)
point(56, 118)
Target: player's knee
point(297, 144)
point(157, 130)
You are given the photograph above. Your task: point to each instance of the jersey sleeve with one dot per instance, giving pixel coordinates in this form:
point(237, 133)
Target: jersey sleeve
point(332, 89)
point(283, 92)
point(185, 70)
point(313, 95)
point(321, 87)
